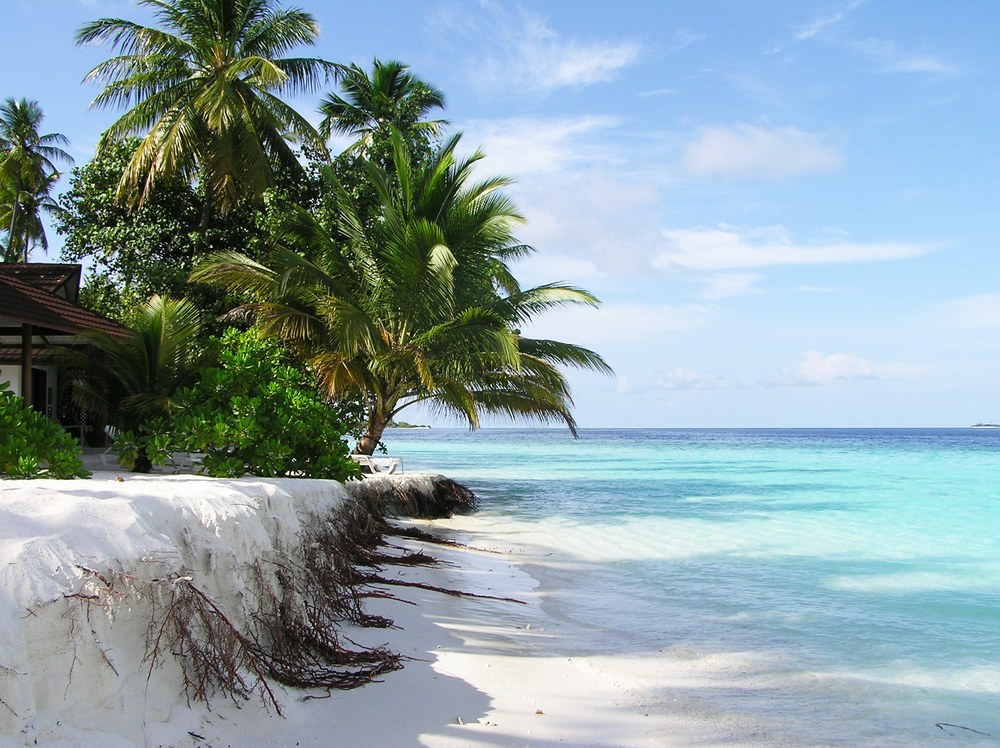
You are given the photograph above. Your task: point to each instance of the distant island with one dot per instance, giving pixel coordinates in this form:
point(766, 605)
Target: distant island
point(405, 425)
point(986, 425)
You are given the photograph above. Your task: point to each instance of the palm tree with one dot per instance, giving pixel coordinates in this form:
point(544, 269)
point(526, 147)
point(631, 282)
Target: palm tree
point(391, 98)
point(203, 90)
point(131, 381)
point(417, 306)
point(27, 174)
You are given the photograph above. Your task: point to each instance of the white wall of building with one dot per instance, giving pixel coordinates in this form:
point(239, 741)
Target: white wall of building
point(11, 375)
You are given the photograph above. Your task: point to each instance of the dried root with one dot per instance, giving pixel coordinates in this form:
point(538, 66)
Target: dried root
point(405, 496)
point(290, 631)
point(303, 646)
point(290, 636)
point(215, 655)
point(362, 533)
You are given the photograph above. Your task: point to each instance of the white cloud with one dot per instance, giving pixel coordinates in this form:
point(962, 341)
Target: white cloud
point(679, 378)
point(726, 285)
point(826, 289)
point(623, 384)
point(583, 197)
point(814, 28)
point(727, 248)
point(594, 214)
point(620, 323)
point(920, 64)
point(816, 368)
point(683, 38)
point(981, 312)
point(533, 57)
point(757, 152)
point(548, 266)
point(891, 59)
point(527, 146)
point(659, 92)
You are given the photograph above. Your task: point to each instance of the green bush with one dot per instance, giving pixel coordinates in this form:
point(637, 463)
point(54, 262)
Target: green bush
point(255, 413)
point(31, 446)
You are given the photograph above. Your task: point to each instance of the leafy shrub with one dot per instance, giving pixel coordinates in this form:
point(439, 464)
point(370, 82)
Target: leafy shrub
point(31, 446)
point(256, 413)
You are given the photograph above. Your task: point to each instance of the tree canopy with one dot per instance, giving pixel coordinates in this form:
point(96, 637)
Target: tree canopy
point(417, 306)
point(203, 89)
point(372, 106)
point(27, 175)
point(140, 251)
point(385, 271)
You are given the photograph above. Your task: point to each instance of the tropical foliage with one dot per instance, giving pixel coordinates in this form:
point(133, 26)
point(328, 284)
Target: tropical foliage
point(131, 381)
point(254, 412)
point(204, 89)
point(27, 175)
point(381, 278)
point(135, 253)
point(144, 250)
point(417, 306)
point(32, 446)
point(371, 107)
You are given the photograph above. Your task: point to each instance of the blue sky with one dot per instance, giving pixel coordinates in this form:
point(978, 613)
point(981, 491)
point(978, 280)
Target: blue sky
point(789, 210)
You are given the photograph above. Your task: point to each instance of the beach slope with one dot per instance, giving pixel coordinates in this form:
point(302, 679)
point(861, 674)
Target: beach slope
point(86, 563)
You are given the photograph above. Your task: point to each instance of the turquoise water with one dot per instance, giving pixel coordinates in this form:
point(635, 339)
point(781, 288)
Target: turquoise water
point(828, 587)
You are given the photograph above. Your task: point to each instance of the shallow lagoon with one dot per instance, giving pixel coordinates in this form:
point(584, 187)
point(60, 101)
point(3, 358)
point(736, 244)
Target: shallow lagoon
point(793, 587)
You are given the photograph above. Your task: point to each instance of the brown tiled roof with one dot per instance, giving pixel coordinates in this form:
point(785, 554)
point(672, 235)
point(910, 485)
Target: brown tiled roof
point(12, 355)
point(23, 303)
point(49, 276)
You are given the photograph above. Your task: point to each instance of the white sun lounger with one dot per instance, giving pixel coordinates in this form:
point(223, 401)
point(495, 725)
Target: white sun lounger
point(378, 465)
point(185, 461)
point(109, 457)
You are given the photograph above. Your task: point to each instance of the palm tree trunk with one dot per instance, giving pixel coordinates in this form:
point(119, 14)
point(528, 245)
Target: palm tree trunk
point(11, 244)
point(369, 440)
point(206, 212)
point(142, 463)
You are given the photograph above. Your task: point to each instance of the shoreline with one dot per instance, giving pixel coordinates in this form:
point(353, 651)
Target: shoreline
point(671, 697)
point(477, 671)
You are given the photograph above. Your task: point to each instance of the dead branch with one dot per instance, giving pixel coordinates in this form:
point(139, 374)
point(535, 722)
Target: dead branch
point(376, 579)
point(945, 725)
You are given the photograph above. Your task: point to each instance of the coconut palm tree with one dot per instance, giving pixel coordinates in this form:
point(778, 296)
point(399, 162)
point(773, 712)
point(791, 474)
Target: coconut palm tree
point(203, 87)
point(417, 306)
point(27, 174)
point(371, 106)
point(131, 381)
point(22, 215)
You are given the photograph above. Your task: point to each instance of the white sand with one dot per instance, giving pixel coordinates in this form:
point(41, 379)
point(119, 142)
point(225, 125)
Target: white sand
point(478, 673)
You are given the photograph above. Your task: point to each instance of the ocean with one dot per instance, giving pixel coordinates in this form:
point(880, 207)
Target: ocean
point(793, 587)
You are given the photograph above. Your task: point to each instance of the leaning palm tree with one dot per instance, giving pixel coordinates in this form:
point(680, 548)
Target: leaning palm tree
point(131, 381)
point(27, 174)
point(203, 87)
point(372, 106)
point(418, 306)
